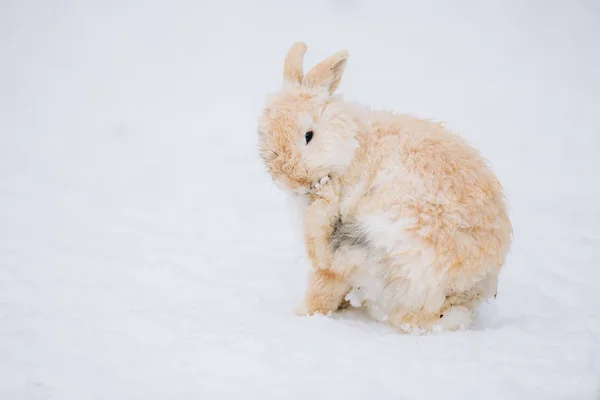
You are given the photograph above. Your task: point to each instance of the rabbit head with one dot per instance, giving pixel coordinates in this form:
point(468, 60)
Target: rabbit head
point(305, 131)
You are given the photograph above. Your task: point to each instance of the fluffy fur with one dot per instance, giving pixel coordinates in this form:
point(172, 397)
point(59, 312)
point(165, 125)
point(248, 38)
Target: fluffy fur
point(412, 224)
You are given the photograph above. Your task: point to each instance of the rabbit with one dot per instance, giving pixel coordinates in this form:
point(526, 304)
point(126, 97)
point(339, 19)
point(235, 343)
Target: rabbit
point(402, 217)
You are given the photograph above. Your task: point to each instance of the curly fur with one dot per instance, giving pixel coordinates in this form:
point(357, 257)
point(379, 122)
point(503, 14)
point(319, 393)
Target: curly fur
point(425, 228)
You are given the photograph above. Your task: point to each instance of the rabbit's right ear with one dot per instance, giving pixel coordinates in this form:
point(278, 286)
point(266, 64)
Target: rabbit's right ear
point(292, 68)
point(327, 74)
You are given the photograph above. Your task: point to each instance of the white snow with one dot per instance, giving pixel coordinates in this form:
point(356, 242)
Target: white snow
point(146, 254)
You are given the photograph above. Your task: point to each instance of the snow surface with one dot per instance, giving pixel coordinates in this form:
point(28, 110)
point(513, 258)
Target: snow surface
point(145, 254)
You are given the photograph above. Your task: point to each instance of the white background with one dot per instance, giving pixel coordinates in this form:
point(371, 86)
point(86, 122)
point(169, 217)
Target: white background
point(146, 254)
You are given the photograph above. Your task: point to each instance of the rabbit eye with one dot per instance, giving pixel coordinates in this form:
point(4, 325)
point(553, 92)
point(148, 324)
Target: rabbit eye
point(308, 136)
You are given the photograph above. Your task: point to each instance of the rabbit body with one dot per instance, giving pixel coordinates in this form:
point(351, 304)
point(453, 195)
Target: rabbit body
point(412, 224)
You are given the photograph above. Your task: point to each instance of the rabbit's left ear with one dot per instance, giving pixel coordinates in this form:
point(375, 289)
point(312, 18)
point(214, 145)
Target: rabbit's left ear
point(328, 73)
point(292, 67)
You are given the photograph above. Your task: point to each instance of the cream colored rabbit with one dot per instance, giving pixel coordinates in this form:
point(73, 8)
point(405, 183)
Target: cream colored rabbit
point(403, 216)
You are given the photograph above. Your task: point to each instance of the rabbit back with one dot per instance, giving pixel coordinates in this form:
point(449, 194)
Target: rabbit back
point(430, 213)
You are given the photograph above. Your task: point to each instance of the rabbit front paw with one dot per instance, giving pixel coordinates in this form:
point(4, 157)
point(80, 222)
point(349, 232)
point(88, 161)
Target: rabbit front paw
point(303, 310)
point(323, 188)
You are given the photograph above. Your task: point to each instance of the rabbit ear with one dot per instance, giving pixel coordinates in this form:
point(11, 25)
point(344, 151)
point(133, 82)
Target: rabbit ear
point(292, 68)
point(328, 73)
